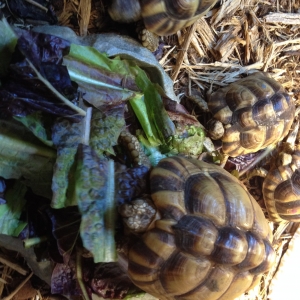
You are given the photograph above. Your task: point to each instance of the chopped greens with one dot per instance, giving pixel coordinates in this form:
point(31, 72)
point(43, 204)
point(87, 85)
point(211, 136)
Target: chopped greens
point(62, 109)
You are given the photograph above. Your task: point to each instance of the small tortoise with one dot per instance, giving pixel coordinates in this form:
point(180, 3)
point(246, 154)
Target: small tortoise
point(281, 190)
point(209, 239)
point(281, 185)
point(255, 111)
point(160, 17)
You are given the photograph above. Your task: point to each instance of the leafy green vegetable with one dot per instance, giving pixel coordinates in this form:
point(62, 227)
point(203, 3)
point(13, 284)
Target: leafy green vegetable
point(23, 155)
point(39, 67)
point(139, 107)
point(66, 136)
point(8, 42)
point(153, 153)
point(161, 124)
point(188, 140)
point(96, 202)
point(10, 212)
point(105, 82)
point(105, 129)
point(34, 123)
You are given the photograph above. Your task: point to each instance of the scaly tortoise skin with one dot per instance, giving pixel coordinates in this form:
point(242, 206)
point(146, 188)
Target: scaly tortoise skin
point(161, 17)
point(256, 112)
point(281, 190)
point(211, 240)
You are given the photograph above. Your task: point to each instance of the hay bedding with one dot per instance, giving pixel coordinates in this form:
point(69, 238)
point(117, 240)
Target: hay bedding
point(235, 39)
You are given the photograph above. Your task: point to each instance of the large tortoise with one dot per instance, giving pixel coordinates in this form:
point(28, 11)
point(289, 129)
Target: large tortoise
point(208, 240)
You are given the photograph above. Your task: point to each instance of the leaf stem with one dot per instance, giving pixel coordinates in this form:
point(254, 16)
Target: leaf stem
point(79, 274)
point(87, 126)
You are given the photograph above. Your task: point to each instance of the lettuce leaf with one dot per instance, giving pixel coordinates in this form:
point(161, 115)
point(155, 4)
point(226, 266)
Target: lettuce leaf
point(8, 42)
point(24, 156)
point(96, 201)
point(10, 212)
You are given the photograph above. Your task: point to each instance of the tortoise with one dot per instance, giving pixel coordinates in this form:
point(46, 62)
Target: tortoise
point(254, 112)
point(209, 238)
point(160, 17)
point(281, 185)
point(281, 190)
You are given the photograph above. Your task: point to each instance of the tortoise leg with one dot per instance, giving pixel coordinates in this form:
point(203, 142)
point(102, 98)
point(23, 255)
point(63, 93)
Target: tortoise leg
point(148, 39)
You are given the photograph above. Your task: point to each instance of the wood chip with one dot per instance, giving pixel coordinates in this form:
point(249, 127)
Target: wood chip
point(283, 18)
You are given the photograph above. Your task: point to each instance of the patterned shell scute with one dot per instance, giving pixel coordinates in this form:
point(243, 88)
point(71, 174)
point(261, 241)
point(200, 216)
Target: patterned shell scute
point(257, 111)
point(165, 17)
point(281, 191)
point(212, 240)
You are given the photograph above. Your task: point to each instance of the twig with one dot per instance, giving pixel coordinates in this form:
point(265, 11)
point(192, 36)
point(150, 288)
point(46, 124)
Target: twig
point(185, 46)
point(37, 5)
point(85, 13)
point(85, 295)
point(12, 294)
point(4, 260)
point(295, 41)
point(283, 18)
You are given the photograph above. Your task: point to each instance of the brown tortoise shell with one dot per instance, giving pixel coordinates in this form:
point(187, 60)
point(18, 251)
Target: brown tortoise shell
point(163, 17)
point(257, 111)
point(212, 240)
point(281, 191)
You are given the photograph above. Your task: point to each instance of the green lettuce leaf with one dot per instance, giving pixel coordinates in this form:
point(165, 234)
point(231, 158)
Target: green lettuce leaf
point(106, 83)
point(8, 42)
point(105, 129)
point(96, 202)
point(10, 212)
point(66, 136)
point(24, 156)
point(161, 125)
point(34, 123)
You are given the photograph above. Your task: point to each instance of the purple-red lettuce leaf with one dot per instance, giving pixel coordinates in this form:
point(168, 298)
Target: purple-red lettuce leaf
point(36, 80)
point(22, 91)
point(94, 192)
point(41, 48)
point(64, 280)
point(32, 10)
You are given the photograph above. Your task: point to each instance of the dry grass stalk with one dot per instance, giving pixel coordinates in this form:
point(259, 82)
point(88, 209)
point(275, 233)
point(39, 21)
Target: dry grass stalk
point(185, 46)
point(7, 261)
point(85, 13)
point(283, 18)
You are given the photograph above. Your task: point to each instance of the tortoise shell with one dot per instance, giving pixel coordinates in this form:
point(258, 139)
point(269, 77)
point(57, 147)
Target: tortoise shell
point(211, 241)
point(256, 112)
point(163, 17)
point(281, 191)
